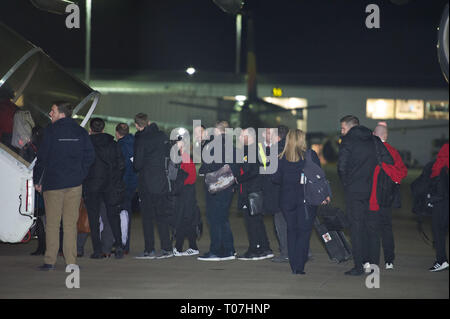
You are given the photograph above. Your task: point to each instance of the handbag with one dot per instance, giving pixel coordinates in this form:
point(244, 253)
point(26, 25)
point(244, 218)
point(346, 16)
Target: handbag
point(219, 180)
point(256, 203)
point(83, 220)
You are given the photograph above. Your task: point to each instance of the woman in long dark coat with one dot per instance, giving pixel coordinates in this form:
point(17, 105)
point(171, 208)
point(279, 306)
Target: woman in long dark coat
point(299, 216)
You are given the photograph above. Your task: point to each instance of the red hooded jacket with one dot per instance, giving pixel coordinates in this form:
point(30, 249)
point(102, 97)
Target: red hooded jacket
point(441, 161)
point(396, 172)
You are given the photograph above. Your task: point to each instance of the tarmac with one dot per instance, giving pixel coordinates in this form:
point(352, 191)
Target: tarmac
point(188, 278)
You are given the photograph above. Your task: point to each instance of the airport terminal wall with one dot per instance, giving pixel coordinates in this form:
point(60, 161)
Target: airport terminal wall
point(122, 100)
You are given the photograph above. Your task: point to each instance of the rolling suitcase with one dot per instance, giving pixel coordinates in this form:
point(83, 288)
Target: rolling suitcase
point(336, 244)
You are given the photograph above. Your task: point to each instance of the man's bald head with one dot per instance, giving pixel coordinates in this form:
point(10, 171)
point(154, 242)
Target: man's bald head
point(382, 132)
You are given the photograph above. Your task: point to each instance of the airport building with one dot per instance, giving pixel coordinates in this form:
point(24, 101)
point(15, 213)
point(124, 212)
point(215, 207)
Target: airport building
point(417, 114)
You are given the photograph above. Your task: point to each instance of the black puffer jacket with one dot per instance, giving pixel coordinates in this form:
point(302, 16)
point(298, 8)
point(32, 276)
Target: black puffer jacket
point(249, 178)
point(151, 148)
point(358, 159)
point(270, 189)
point(106, 174)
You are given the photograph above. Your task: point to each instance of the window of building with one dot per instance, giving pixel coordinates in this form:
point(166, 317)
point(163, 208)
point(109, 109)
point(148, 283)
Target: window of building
point(287, 103)
point(409, 109)
point(380, 109)
point(436, 110)
point(388, 109)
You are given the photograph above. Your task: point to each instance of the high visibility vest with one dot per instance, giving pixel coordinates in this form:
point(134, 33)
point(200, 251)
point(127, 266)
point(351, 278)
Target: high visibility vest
point(262, 155)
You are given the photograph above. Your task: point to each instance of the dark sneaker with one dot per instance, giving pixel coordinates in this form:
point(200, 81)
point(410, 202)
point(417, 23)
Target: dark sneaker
point(146, 255)
point(280, 259)
point(230, 256)
point(46, 267)
point(439, 267)
point(250, 256)
point(299, 272)
point(163, 254)
point(266, 254)
point(97, 256)
point(209, 257)
point(355, 272)
point(118, 253)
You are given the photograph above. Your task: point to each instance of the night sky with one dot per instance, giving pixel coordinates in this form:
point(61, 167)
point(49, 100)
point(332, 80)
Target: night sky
point(304, 37)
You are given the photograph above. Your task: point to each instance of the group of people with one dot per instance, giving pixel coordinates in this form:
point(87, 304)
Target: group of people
point(74, 164)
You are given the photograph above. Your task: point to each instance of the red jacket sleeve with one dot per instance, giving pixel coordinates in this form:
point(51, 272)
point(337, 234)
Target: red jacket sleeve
point(189, 167)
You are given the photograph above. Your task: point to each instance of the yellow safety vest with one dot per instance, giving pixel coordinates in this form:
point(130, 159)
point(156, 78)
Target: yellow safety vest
point(262, 154)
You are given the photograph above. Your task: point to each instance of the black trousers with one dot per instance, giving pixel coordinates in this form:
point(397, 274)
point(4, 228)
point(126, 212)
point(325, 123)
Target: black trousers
point(256, 231)
point(365, 231)
point(154, 208)
point(185, 212)
point(387, 235)
point(299, 222)
point(440, 229)
point(93, 203)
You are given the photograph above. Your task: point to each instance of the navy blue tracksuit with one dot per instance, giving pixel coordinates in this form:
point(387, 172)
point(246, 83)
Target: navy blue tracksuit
point(299, 216)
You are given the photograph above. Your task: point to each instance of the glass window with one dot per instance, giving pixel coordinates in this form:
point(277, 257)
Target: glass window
point(436, 110)
point(409, 109)
point(380, 109)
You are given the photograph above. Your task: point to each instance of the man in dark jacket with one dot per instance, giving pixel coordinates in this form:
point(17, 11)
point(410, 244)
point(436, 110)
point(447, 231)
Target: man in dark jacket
point(356, 165)
point(63, 161)
point(251, 181)
point(126, 143)
point(218, 204)
point(440, 196)
point(151, 149)
point(397, 173)
point(272, 193)
point(104, 183)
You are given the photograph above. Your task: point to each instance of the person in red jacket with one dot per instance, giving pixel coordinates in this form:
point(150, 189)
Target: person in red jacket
point(7, 110)
point(439, 218)
point(186, 206)
point(397, 173)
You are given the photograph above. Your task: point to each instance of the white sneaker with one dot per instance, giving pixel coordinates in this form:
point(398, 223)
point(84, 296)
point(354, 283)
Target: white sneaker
point(176, 253)
point(389, 266)
point(190, 252)
point(438, 267)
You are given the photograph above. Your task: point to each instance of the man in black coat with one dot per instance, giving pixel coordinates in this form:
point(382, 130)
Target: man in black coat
point(104, 183)
point(356, 165)
point(272, 192)
point(251, 181)
point(151, 149)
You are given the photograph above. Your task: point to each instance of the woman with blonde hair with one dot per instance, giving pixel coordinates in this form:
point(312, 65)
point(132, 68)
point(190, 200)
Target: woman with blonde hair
point(299, 216)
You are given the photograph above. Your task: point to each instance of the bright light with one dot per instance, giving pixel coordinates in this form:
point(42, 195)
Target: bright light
point(190, 71)
point(381, 109)
point(240, 98)
point(287, 103)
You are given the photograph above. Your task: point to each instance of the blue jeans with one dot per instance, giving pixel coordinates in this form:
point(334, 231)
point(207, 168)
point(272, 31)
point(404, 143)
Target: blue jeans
point(217, 211)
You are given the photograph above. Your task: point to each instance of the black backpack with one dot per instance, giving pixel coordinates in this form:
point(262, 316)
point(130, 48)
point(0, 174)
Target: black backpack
point(317, 187)
point(423, 189)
